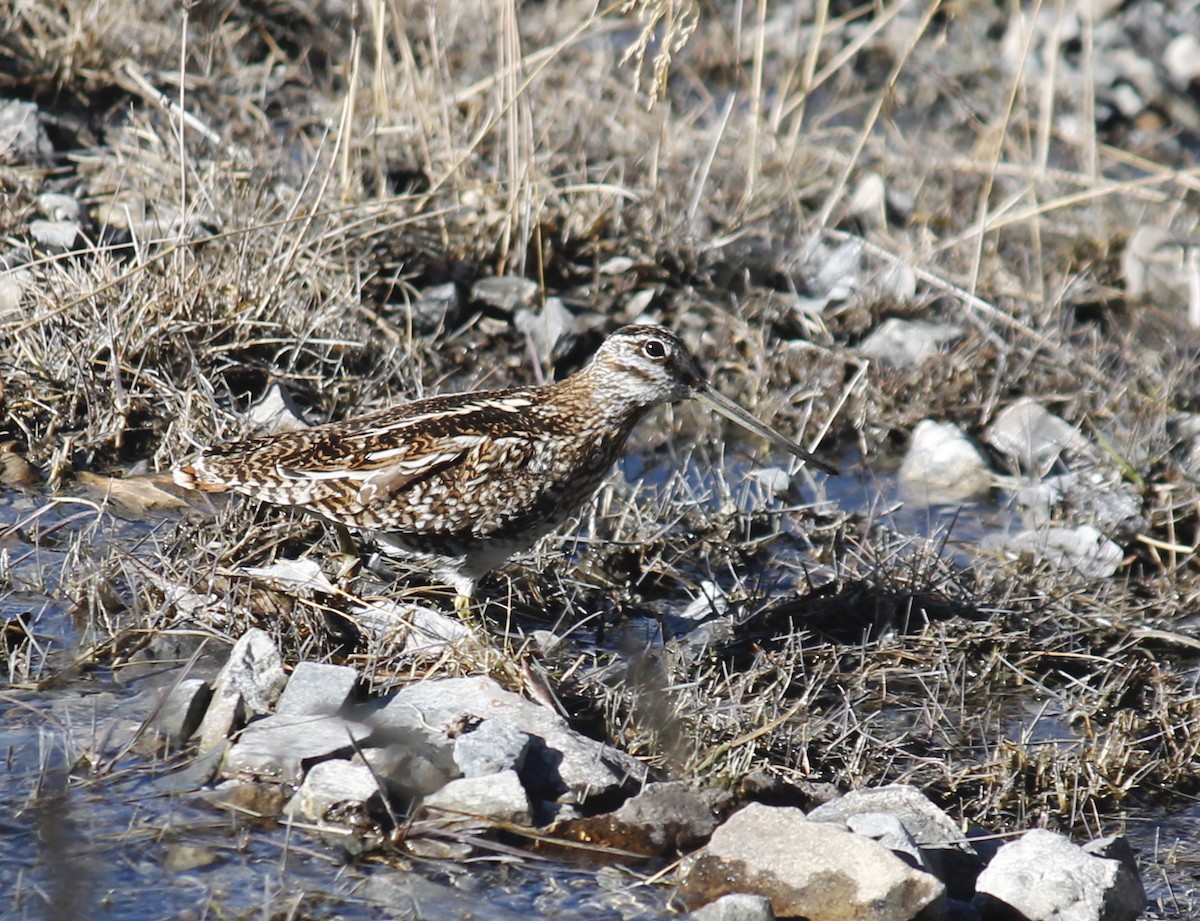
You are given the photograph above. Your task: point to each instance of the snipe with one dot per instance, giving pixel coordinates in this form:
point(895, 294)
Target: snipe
point(458, 483)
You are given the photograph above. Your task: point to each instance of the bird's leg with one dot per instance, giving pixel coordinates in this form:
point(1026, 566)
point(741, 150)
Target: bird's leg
point(462, 605)
point(348, 559)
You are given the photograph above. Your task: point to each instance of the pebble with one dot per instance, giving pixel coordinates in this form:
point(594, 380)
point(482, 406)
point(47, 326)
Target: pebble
point(23, 140)
point(1160, 270)
point(437, 307)
point(547, 327)
point(277, 411)
point(1033, 438)
point(58, 207)
point(505, 293)
point(1182, 59)
point(55, 236)
point(13, 284)
point(942, 465)
point(1083, 550)
point(737, 906)
point(907, 343)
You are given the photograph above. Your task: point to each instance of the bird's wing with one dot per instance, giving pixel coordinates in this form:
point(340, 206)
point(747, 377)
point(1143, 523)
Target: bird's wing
point(343, 469)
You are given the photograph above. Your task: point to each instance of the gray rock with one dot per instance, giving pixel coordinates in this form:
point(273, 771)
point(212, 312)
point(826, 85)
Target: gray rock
point(184, 708)
point(437, 307)
point(664, 819)
point(889, 831)
point(547, 327)
point(317, 688)
point(738, 906)
point(560, 762)
point(22, 137)
point(409, 628)
point(1083, 549)
point(944, 849)
point(255, 669)
point(280, 748)
point(225, 713)
point(414, 763)
point(907, 343)
point(943, 465)
point(335, 790)
point(13, 285)
point(505, 293)
point(808, 869)
point(1043, 875)
point(1032, 437)
point(1087, 496)
point(489, 748)
point(56, 236)
point(249, 683)
point(492, 798)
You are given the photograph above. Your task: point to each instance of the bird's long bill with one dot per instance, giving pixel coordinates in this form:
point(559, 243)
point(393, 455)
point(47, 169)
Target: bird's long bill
point(735, 413)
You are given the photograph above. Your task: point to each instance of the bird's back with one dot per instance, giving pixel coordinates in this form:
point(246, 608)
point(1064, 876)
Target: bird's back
point(458, 467)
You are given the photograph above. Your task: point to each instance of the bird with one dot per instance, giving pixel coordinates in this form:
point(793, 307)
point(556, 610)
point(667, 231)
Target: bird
point(458, 483)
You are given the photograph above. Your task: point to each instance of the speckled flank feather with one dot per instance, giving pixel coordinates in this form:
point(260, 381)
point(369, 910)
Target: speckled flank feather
point(462, 481)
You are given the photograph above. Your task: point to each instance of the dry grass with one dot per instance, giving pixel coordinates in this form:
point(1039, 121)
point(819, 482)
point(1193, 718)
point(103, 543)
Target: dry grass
point(334, 165)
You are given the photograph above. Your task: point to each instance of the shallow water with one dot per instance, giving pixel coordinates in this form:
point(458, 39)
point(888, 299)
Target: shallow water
point(96, 822)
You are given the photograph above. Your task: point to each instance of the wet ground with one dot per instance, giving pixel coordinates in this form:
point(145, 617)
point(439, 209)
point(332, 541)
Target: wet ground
point(102, 821)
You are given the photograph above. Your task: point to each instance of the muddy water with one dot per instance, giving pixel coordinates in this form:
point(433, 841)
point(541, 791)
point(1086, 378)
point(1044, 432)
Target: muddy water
point(99, 822)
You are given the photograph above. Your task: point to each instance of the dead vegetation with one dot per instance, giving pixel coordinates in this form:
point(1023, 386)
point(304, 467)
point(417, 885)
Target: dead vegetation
point(272, 212)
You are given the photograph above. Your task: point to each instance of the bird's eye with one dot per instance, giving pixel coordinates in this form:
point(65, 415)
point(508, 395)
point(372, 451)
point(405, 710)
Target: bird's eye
point(654, 348)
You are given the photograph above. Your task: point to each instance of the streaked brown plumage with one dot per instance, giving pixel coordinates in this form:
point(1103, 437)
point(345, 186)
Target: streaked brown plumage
point(458, 483)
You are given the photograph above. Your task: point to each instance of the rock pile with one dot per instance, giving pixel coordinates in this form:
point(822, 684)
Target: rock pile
point(463, 754)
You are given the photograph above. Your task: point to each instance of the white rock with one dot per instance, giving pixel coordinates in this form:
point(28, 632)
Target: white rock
point(807, 869)
point(277, 412)
point(1044, 876)
point(334, 785)
point(250, 683)
point(710, 601)
point(55, 235)
point(1182, 59)
point(417, 629)
point(1033, 437)
point(943, 465)
point(303, 574)
point(13, 285)
point(490, 748)
point(907, 343)
point(868, 201)
point(317, 688)
point(1083, 549)
point(58, 207)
